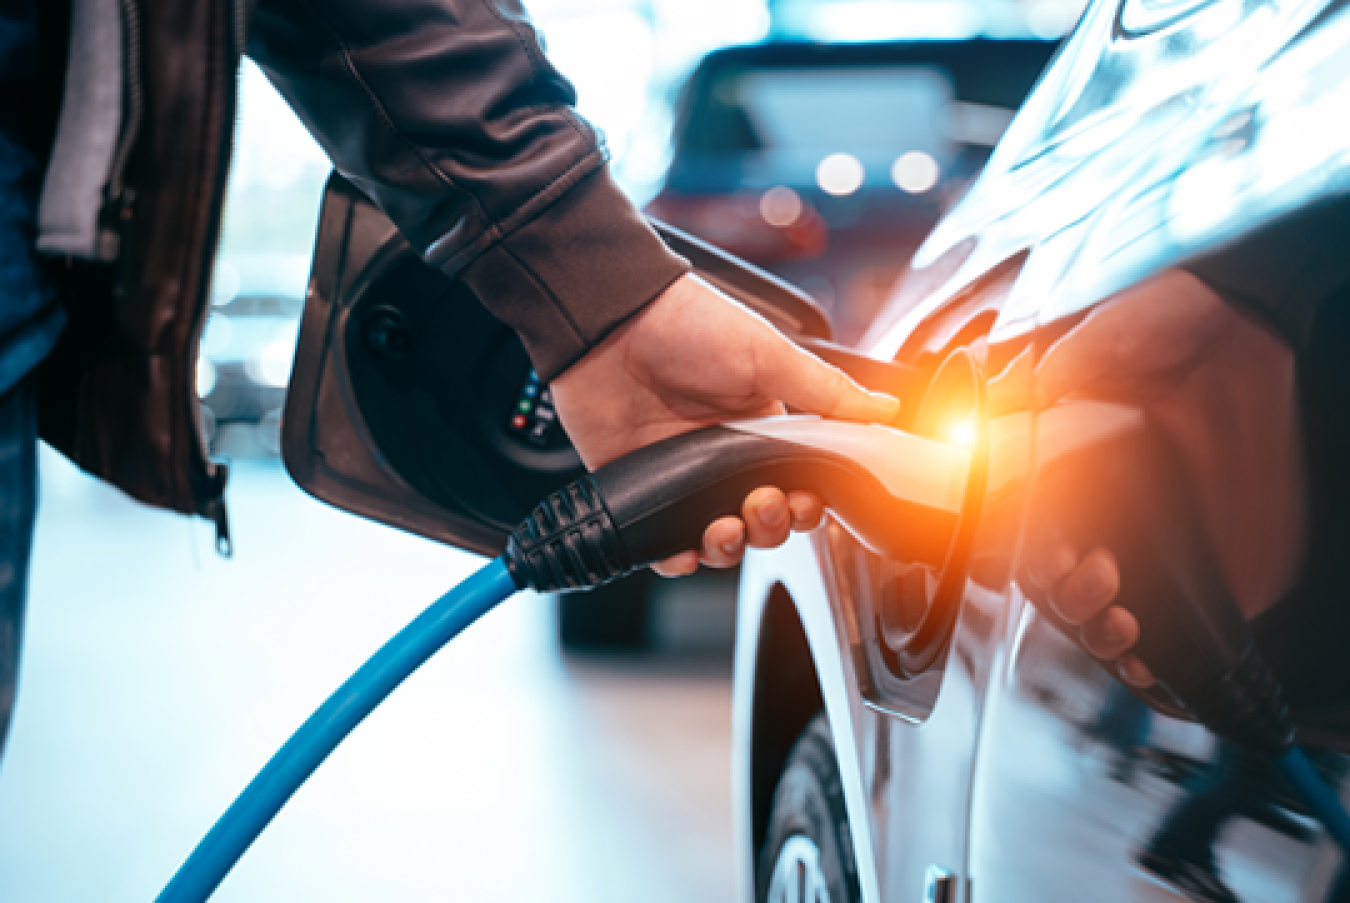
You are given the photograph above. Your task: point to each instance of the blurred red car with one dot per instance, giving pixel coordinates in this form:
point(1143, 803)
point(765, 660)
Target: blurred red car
point(827, 164)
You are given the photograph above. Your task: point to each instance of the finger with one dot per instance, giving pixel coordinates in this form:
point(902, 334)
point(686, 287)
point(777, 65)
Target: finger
point(802, 380)
point(724, 542)
point(1091, 587)
point(1076, 361)
point(1134, 672)
point(807, 511)
point(680, 565)
point(768, 520)
point(1112, 634)
point(1143, 334)
point(1050, 561)
point(1012, 389)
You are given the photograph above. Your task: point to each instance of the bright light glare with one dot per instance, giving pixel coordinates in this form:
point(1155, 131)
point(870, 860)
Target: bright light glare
point(914, 172)
point(217, 336)
point(274, 364)
point(780, 206)
point(840, 174)
point(875, 20)
point(206, 377)
point(1050, 20)
point(963, 433)
point(1205, 195)
point(224, 285)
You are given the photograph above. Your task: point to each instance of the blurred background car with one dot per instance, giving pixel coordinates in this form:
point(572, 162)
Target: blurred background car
point(827, 163)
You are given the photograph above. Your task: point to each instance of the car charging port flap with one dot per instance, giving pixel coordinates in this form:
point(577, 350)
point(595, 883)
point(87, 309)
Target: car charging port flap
point(918, 603)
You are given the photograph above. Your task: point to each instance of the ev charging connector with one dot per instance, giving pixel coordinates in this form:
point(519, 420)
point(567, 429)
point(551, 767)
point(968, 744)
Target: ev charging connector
point(899, 494)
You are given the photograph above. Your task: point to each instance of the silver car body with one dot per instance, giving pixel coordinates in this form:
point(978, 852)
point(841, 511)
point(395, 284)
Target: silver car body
point(1165, 129)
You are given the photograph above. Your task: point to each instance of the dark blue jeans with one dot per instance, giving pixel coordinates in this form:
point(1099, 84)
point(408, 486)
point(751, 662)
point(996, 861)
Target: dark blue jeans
point(18, 504)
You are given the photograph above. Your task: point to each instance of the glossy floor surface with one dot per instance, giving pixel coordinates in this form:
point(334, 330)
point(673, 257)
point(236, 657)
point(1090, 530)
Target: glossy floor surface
point(157, 678)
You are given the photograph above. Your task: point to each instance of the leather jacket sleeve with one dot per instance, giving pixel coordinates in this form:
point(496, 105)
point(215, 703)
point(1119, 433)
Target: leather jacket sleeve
point(448, 116)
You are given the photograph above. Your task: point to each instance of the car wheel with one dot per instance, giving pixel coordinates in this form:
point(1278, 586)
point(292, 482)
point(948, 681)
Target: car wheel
point(808, 856)
point(613, 617)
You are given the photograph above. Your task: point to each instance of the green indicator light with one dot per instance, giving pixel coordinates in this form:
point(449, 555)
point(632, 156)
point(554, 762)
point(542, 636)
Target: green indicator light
point(525, 405)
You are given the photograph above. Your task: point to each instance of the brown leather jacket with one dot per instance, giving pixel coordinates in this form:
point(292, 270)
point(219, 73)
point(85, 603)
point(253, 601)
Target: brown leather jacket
point(444, 112)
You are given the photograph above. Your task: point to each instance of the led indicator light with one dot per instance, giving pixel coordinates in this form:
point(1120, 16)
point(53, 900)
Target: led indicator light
point(525, 405)
point(519, 421)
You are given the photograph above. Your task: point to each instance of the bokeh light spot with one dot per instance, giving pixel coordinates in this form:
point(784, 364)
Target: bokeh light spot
point(206, 377)
point(914, 172)
point(840, 174)
point(780, 206)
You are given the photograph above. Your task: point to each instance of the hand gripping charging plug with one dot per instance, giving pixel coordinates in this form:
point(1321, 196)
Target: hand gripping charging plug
point(900, 494)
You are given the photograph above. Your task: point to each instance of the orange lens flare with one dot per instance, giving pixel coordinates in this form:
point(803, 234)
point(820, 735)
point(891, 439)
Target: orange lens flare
point(964, 432)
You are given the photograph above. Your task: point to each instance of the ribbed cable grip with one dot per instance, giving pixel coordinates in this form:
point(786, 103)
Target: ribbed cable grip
point(568, 542)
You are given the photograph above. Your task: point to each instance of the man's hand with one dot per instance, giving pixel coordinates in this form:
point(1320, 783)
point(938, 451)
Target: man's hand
point(1081, 591)
point(692, 358)
point(1139, 348)
point(1135, 348)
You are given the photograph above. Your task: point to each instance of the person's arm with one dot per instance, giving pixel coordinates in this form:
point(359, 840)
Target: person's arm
point(448, 116)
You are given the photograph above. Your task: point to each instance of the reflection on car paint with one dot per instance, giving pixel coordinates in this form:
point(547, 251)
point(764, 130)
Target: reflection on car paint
point(1212, 447)
point(1131, 156)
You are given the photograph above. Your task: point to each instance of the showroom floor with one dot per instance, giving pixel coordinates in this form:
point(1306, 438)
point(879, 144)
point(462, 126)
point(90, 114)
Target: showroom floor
point(157, 678)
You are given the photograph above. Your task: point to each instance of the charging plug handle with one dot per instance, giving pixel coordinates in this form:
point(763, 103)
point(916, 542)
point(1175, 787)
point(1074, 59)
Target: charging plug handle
point(900, 494)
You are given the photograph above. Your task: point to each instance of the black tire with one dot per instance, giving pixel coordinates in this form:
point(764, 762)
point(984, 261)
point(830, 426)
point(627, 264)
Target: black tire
point(809, 804)
point(611, 618)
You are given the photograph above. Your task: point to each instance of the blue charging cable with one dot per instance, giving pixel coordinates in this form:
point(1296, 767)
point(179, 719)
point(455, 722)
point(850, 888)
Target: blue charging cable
point(655, 502)
point(1326, 806)
point(292, 765)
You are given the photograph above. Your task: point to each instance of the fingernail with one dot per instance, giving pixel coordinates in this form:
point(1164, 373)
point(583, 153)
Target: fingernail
point(892, 405)
point(773, 514)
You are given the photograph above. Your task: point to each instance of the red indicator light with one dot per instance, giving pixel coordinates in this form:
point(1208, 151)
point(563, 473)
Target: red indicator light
point(519, 422)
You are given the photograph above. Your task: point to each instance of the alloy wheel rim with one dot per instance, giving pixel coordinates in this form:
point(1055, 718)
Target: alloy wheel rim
point(797, 876)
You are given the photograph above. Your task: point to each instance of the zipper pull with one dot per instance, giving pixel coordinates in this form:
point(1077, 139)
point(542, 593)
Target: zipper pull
point(114, 224)
point(215, 512)
point(213, 509)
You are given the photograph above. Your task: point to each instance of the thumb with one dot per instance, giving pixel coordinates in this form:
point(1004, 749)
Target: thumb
point(800, 379)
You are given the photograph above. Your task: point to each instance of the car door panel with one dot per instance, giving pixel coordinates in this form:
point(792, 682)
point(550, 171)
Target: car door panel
point(1081, 782)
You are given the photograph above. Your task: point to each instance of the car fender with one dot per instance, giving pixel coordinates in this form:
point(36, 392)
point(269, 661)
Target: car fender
point(795, 568)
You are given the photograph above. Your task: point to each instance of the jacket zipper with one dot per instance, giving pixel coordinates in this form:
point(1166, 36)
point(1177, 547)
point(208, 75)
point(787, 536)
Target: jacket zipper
point(212, 506)
point(118, 198)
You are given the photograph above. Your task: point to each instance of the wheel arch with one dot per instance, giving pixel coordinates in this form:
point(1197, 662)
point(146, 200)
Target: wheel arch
point(786, 696)
point(790, 664)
